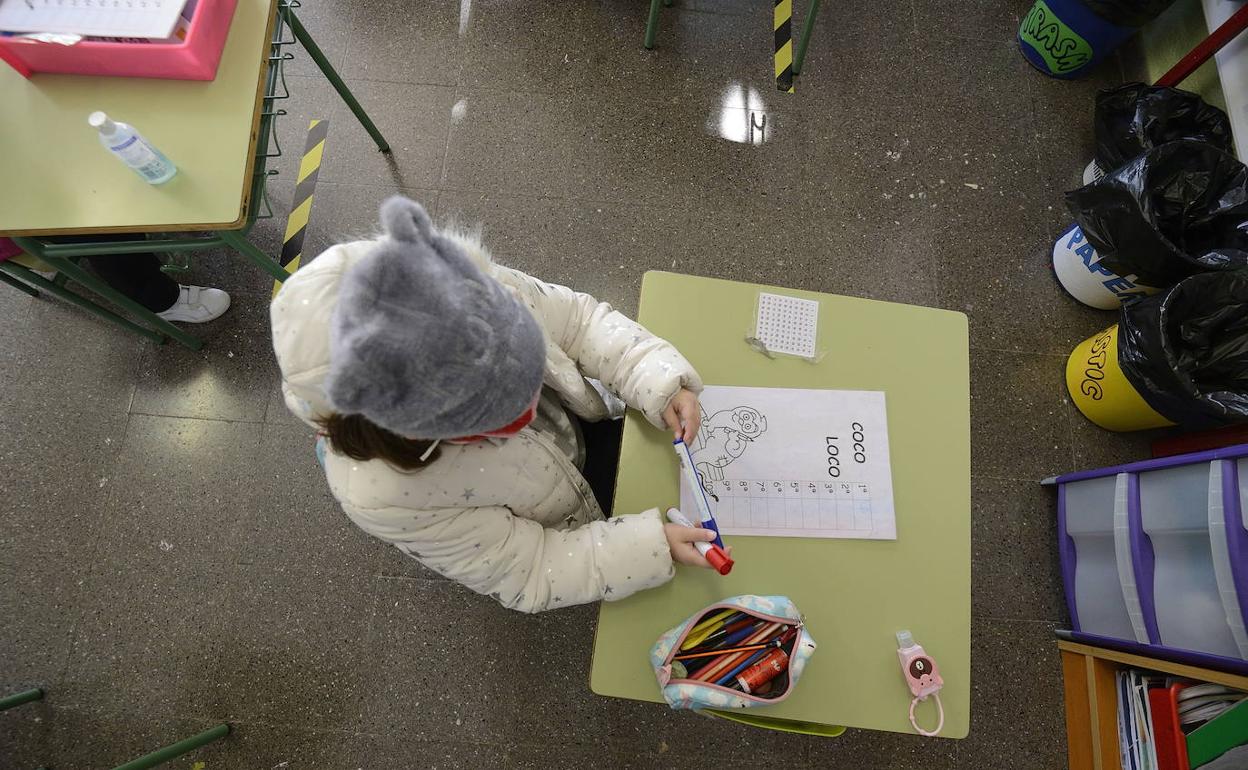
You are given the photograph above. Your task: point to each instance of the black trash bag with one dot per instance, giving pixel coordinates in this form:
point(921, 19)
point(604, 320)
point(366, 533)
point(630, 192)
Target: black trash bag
point(1135, 117)
point(1176, 210)
point(1128, 13)
point(1186, 349)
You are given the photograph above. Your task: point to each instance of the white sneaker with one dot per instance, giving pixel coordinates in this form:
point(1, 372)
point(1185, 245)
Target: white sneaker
point(197, 304)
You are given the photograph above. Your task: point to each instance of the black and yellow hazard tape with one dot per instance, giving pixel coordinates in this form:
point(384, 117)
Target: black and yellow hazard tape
point(301, 206)
point(782, 22)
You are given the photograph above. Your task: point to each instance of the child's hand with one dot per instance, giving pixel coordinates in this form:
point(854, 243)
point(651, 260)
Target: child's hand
point(684, 416)
point(680, 541)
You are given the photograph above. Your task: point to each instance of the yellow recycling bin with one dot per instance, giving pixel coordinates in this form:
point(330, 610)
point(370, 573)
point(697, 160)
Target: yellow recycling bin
point(1102, 392)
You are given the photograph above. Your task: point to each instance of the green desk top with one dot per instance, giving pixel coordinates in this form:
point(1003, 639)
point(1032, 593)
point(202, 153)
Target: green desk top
point(55, 177)
point(855, 594)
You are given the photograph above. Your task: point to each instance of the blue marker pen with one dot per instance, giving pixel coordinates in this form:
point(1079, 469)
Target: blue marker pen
point(699, 494)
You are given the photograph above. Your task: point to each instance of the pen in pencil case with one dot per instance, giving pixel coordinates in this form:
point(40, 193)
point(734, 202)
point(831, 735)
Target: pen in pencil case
point(723, 634)
point(764, 635)
point(776, 645)
point(695, 486)
point(707, 628)
point(727, 633)
point(724, 615)
point(717, 651)
point(708, 653)
point(710, 551)
point(736, 637)
point(749, 661)
point(718, 665)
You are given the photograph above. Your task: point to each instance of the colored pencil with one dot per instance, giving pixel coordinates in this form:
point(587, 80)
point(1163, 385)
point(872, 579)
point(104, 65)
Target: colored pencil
point(704, 629)
point(731, 640)
point(732, 628)
point(779, 641)
point(701, 624)
point(726, 678)
point(727, 659)
point(710, 653)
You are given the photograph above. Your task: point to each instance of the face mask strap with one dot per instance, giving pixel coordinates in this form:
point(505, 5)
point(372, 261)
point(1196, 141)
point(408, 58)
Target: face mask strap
point(429, 451)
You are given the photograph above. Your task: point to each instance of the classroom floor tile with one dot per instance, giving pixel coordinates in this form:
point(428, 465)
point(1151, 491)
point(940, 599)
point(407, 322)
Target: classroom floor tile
point(1017, 713)
point(172, 557)
point(228, 379)
point(1013, 528)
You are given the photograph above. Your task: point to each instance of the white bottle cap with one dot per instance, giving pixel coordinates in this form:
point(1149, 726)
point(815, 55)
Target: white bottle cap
point(102, 122)
point(904, 640)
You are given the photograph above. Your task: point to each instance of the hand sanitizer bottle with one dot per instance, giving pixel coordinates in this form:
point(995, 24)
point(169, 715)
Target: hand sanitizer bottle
point(132, 149)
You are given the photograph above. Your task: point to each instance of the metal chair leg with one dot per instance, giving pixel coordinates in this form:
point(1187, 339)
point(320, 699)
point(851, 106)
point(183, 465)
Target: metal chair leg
point(309, 45)
point(807, 29)
point(10, 280)
point(652, 25)
point(80, 274)
point(60, 291)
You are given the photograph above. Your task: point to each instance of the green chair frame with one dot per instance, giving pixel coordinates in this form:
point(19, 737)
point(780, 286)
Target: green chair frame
point(157, 757)
point(799, 56)
point(64, 257)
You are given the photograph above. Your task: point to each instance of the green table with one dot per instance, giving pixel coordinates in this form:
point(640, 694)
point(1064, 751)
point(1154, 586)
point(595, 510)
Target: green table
point(856, 594)
point(56, 179)
point(59, 180)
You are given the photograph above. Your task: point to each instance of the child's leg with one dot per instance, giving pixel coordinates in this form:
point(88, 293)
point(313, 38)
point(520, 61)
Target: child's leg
point(138, 276)
point(602, 456)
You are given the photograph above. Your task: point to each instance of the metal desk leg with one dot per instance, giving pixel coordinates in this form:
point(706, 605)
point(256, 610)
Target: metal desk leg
point(161, 756)
point(10, 280)
point(20, 698)
point(652, 25)
point(245, 247)
point(807, 29)
point(301, 34)
point(80, 274)
point(31, 277)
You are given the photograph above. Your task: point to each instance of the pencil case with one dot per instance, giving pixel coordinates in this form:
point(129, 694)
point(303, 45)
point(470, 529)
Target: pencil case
point(682, 690)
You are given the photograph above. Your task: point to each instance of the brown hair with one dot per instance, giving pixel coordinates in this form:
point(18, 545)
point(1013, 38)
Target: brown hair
point(361, 439)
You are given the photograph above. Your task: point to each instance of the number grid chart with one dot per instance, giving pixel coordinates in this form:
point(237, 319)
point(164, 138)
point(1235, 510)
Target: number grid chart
point(787, 324)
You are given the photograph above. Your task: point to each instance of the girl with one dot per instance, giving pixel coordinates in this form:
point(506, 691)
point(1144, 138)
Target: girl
point(456, 400)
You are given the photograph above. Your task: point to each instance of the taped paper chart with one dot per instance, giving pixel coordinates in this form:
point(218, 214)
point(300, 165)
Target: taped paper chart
point(786, 462)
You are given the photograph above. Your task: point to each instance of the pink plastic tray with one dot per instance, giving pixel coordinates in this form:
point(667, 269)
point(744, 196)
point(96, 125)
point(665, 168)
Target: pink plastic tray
point(195, 58)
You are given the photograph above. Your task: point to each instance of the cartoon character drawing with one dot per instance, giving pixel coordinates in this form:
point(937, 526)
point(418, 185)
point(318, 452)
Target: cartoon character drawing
point(723, 438)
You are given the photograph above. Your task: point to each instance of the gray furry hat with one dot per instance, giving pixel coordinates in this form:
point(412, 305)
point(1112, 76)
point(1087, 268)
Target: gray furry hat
point(426, 345)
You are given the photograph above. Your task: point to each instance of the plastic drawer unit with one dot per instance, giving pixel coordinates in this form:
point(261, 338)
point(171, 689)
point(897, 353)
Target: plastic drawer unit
point(1154, 556)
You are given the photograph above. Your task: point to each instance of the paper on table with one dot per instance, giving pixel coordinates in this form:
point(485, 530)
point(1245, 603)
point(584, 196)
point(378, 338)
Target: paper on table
point(786, 462)
point(96, 18)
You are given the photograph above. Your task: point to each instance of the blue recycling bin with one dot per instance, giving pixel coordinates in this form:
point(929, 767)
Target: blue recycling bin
point(1065, 39)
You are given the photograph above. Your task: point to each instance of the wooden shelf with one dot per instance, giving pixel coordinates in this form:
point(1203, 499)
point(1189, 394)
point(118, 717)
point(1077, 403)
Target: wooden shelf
point(1088, 675)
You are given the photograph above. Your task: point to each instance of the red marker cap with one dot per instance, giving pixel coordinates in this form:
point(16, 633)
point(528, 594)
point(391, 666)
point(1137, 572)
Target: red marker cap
point(719, 560)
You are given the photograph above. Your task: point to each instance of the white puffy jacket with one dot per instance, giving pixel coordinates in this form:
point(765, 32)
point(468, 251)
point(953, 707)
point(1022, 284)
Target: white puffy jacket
point(513, 519)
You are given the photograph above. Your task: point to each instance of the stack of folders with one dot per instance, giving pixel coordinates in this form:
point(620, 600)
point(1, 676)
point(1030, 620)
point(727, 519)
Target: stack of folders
point(1162, 720)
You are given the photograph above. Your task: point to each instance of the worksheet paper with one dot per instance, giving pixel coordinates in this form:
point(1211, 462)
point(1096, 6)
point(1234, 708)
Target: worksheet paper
point(95, 18)
point(786, 462)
